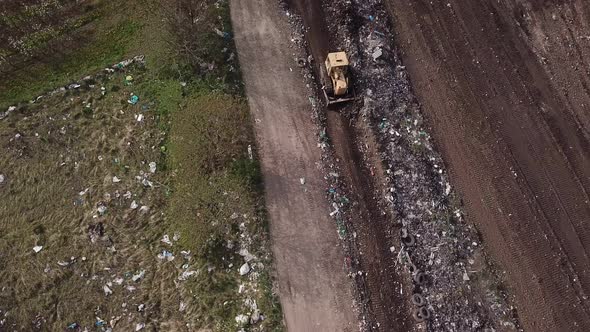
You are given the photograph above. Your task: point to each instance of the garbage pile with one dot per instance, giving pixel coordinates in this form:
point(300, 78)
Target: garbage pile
point(439, 246)
point(88, 82)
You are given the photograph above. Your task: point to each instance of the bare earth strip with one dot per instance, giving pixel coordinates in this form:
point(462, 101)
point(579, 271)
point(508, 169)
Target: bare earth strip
point(500, 83)
point(314, 290)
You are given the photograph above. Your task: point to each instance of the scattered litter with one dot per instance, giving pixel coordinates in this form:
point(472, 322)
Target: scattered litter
point(186, 254)
point(141, 307)
point(37, 248)
point(246, 254)
point(144, 209)
point(133, 205)
point(222, 33)
point(377, 53)
point(133, 100)
point(182, 306)
point(176, 237)
point(302, 180)
point(465, 276)
point(244, 269)
point(255, 317)
point(147, 183)
point(101, 209)
point(166, 255)
point(152, 167)
point(99, 322)
point(116, 179)
point(166, 239)
point(138, 276)
point(139, 117)
point(187, 274)
point(73, 326)
point(127, 195)
point(242, 319)
point(107, 290)
point(250, 154)
point(139, 326)
point(2, 178)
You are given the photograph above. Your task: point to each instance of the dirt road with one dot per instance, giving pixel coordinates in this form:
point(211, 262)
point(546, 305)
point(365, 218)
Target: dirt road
point(314, 291)
point(505, 88)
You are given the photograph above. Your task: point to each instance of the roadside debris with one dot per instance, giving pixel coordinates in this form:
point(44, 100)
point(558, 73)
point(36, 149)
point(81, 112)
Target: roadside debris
point(244, 269)
point(36, 249)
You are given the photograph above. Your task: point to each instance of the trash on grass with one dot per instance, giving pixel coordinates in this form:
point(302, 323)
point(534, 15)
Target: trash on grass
point(73, 326)
point(244, 269)
point(133, 100)
point(187, 274)
point(167, 255)
point(242, 319)
point(246, 254)
point(166, 239)
point(136, 277)
point(37, 248)
point(153, 167)
point(101, 209)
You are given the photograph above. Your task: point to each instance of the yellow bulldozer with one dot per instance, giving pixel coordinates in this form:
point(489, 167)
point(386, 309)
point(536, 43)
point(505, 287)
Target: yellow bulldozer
point(335, 79)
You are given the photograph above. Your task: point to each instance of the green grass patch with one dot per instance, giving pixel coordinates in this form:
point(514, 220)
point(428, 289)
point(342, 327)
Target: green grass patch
point(208, 186)
point(216, 204)
point(109, 47)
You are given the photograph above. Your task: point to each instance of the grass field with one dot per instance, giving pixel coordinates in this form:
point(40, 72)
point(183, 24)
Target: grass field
point(132, 214)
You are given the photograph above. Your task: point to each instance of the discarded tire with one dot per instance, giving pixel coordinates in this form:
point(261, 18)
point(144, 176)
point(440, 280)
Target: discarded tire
point(421, 314)
point(420, 278)
point(418, 300)
point(409, 240)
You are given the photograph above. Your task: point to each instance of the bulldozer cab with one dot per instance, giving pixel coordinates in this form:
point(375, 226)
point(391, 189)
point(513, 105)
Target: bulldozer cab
point(335, 60)
point(335, 79)
point(337, 68)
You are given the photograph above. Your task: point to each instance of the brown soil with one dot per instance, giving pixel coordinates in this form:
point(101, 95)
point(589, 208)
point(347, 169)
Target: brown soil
point(382, 288)
point(314, 291)
point(504, 86)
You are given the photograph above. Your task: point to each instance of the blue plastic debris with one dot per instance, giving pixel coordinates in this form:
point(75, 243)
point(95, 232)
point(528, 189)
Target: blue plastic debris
point(133, 100)
point(73, 326)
